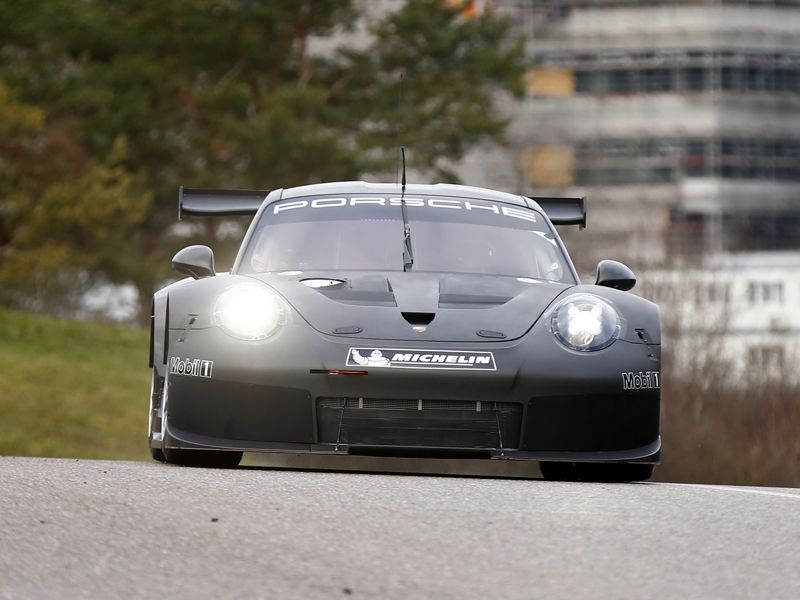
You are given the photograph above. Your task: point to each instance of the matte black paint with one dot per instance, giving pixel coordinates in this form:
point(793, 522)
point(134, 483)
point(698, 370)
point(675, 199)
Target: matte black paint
point(218, 202)
point(195, 261)
point(613, 274)
point(265, 395)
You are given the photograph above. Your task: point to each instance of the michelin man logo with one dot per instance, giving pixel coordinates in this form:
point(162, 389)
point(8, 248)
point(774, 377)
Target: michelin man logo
point(375, 359)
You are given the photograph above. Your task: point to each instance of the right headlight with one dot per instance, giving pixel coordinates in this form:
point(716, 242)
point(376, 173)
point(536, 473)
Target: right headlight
point(249, 311)
point(585, 322)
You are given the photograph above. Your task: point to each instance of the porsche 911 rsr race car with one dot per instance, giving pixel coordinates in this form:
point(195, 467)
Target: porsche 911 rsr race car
point(428, 320)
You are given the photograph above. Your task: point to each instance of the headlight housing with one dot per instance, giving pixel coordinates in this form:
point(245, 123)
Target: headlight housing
point(249, 311)
point(586, 323)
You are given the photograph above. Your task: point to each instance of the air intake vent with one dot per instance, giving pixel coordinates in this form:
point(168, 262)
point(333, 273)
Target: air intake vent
point(419, 423)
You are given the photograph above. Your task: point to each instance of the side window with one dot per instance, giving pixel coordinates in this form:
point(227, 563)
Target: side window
point(549, 259)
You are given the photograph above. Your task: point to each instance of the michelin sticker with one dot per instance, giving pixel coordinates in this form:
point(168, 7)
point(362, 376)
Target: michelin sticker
point(643, 380)
point(402, 358)
point(194, 367)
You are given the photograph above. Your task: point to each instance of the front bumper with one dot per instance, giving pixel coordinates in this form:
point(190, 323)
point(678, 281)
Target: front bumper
point(543, 402)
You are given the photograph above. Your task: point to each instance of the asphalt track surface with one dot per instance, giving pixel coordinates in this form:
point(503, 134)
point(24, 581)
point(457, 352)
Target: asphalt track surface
point(101, 529)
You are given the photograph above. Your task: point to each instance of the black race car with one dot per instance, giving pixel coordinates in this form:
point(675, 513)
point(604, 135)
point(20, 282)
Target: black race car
point(420, 320)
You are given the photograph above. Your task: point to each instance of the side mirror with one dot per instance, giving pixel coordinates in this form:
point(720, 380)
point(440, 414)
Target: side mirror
point(613, 274)
point(195, 261)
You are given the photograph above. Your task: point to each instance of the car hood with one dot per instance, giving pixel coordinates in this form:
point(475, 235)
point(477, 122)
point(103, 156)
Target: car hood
point(416, 306)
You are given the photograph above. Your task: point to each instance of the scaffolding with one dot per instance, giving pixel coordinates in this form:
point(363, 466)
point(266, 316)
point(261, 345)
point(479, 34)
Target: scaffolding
point(685, 111)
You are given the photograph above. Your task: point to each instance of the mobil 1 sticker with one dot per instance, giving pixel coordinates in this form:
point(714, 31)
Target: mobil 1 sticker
point(402, 358)
point(193, 367)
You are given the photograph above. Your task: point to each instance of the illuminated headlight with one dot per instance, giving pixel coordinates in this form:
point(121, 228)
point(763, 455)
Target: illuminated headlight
point(249, 311)
point(583, 322)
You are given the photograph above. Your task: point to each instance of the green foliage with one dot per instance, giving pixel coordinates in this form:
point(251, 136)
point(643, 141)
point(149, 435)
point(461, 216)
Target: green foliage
point(62, 233)
point(450, 68)
point(213, 93)
point(16, 119)
point(72, 389)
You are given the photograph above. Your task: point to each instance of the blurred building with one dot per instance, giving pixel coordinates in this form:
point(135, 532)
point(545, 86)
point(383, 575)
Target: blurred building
point(733, 313)
point(680, 119)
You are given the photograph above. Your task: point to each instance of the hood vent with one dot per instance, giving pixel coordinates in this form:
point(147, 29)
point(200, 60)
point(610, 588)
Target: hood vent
point(471, 300)
point(418, 318)
point(488, 333)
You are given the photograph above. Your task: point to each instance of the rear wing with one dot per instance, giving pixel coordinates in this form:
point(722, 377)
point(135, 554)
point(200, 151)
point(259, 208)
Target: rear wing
point(564, 211)
point(219, 203)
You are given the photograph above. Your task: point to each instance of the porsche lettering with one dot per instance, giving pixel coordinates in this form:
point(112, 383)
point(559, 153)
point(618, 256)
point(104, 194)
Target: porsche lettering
point(439, 203)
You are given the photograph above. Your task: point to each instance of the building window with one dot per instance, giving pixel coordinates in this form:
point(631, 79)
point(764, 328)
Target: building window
point(695, 79)
point(658, 80)
point(694, 71)
point(765, 292)
point(715, 293)
point(759, 231)
point(766, 359)
point(659, 160)
point(621, 82)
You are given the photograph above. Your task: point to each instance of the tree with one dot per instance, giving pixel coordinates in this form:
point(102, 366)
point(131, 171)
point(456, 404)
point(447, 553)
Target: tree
point(450, 66)
point(213, 93)
point(64, 217)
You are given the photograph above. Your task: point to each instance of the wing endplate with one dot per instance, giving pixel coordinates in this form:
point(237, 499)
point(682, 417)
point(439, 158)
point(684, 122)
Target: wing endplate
point(564, 211)
point(216, 203)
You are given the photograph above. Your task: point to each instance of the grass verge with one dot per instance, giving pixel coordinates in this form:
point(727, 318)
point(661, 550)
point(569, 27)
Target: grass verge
point(72, 388)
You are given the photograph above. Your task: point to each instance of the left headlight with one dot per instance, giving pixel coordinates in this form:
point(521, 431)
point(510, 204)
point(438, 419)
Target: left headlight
point(249, 311)
point(585, 322)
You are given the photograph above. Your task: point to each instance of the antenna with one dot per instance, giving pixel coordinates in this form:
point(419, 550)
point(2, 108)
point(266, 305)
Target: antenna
point(396, 126)
point(403, 180)
point(408, 254)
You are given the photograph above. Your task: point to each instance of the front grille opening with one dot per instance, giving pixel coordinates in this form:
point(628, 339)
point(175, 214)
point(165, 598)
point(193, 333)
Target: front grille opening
point(406, 452)
point(405, 404)
point(419, 423)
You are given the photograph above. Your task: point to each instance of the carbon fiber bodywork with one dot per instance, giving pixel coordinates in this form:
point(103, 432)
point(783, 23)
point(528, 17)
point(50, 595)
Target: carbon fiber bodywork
point(485, 377)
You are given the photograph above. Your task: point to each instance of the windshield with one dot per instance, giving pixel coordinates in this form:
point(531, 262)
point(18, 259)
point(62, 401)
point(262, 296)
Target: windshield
point(366, 233)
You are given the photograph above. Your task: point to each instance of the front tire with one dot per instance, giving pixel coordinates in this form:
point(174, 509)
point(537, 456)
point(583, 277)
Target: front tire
point(614, 472)
point(215, 459)
point(156, 397)
point(598, 472)
point(156, 453)
point(558, 471)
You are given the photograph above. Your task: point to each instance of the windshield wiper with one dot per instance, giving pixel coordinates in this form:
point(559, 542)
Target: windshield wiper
point(408, 254)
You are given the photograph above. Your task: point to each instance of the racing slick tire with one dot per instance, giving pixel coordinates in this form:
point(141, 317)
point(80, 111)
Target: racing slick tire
point(156, 453)
point(558, 471)
point(614, 472)
point(156, 393)
point(599, 472)
point(215, 459)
